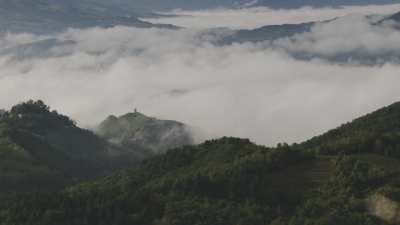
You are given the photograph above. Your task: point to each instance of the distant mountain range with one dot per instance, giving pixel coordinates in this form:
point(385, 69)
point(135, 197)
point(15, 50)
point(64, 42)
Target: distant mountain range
point(47, 16)
point(160, 5)
point(267, 33)
point(319, 3)
point(43, 16)
point(274, 33)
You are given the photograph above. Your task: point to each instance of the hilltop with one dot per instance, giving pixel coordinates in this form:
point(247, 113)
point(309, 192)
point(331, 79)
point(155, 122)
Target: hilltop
point(41, 149)
point(138, 131)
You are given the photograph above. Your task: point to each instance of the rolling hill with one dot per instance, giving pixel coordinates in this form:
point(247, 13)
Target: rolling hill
point(41, 149)
point(233, 181)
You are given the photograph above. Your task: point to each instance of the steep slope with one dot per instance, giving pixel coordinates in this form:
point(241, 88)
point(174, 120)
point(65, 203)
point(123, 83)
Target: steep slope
point(377, 132)
point(149, 135)
point(41, 148)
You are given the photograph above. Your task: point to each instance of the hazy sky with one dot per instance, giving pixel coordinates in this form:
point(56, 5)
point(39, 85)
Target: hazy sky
point(248, 90)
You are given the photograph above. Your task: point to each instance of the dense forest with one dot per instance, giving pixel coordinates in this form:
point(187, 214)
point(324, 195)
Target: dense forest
point(349, 175)
point(377, 132)
point(42, 149)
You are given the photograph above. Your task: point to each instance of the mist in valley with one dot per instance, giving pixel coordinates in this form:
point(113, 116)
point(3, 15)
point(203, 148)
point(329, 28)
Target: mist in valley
point(262, 90)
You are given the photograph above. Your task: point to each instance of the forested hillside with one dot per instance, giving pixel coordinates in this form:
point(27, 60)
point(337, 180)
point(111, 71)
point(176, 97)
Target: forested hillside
point(42, 149)
point(377, 132)
point(233, 181)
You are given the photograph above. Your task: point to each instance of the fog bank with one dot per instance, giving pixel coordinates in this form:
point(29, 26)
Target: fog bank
point(249, 90)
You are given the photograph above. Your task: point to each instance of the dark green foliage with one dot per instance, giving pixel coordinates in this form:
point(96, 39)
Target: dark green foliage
point(377, 132)
point(226, 181)
point(342, 200)
point(42, 150)
point(220, 182)
point(233, 181)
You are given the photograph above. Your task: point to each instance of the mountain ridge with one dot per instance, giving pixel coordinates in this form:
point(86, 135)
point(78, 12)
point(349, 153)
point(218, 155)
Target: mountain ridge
point(335, 178)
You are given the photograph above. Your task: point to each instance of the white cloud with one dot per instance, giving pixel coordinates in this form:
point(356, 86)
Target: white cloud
point(250, 18)
point(346, 35)
point(246, 90)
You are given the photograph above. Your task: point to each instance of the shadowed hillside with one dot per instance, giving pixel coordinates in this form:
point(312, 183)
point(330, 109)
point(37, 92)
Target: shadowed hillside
point(44, 149)
point(233, 181)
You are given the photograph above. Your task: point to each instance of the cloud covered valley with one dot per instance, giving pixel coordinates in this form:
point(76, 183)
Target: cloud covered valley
point(260, 90)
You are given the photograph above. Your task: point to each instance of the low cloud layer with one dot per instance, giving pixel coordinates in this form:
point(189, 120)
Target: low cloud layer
point(250, 18)
point(356, 39)
point(249, 90)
